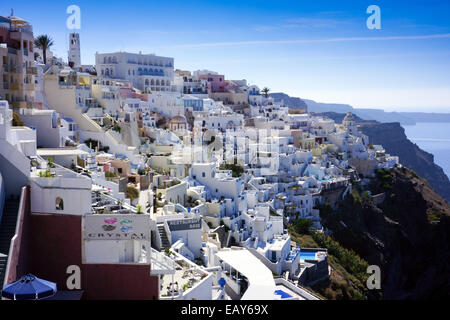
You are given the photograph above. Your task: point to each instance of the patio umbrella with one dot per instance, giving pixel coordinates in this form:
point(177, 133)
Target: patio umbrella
point(29, 287)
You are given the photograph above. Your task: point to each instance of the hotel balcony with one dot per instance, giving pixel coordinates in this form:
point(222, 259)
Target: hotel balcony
point(12, 50)
point(16, 86)
point(30, 86)
point(21, 104)
point(160, 263)
point(31, 70)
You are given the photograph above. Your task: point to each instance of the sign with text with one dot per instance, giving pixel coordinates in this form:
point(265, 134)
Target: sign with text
point(117, 227)
point(184, 224)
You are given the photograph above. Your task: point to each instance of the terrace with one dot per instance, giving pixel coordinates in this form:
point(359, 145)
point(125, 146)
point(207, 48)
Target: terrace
point(185, 277)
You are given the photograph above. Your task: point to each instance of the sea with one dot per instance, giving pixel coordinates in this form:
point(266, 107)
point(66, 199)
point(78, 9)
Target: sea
point(433, 137)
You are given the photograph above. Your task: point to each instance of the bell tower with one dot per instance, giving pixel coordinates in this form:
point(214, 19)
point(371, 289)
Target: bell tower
point(74, 50)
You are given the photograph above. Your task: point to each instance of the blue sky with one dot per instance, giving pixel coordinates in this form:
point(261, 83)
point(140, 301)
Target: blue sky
point(320, 50)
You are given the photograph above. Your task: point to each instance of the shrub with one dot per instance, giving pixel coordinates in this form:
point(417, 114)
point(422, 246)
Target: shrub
point(116, 128)
point(93, 144)
point(132, 193)
point(303, 226)
point(17, 122)
point(347, 258)
point(236, 170)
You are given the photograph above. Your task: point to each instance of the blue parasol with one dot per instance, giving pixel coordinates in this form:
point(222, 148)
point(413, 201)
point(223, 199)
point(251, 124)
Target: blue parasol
point(29, 287)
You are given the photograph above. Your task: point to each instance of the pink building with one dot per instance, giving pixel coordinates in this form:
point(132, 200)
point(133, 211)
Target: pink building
point(126, 92)
point(216, 82)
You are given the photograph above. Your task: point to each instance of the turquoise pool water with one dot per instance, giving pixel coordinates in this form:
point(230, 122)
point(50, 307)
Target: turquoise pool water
point(307, 255)
point(283, 294)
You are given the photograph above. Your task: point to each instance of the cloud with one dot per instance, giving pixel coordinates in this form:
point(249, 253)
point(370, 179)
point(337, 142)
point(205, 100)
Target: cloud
point(306, 41)
point(327, 21)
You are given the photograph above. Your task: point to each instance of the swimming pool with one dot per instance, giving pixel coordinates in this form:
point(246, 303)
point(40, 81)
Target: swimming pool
point(283, 294)
point(307, 255)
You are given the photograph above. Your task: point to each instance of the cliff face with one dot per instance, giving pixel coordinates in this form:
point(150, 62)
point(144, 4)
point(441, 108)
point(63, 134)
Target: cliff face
point(407, 235)
point(291, 102)
point(392, 137)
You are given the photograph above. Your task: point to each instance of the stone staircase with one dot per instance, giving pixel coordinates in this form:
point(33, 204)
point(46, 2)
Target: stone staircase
point(7, 230)
point(165, 243)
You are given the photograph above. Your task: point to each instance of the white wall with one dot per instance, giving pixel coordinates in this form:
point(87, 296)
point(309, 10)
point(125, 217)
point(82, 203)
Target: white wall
point(77, 201)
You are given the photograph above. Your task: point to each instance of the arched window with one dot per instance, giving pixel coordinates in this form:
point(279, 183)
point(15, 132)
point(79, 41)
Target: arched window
point(59, 204)
point(146, 82)
point(152, 82)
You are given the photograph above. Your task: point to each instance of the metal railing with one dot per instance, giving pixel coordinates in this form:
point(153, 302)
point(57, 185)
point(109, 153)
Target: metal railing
point(160, 262)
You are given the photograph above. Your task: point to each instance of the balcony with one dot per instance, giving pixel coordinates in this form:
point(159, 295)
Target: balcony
point(21, 104)
point(16, 86)
point(14, 69)
point(30, 86)
point(150, 73)
point(31, 70)
point(160, 263)
point(12, 51)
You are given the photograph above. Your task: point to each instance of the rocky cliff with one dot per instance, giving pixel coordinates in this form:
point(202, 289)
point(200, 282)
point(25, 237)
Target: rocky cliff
point(407, 234)
point(392, 137)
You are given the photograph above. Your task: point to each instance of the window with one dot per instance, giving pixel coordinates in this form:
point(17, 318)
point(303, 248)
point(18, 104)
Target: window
point(59, 204)
point(203, 174)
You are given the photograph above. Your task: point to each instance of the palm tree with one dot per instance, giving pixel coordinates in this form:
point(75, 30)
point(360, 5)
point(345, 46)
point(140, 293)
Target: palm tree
point(265, 91)
point(43, 42)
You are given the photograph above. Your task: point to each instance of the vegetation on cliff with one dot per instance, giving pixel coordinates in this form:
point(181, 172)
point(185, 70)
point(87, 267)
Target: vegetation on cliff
point(398, 222)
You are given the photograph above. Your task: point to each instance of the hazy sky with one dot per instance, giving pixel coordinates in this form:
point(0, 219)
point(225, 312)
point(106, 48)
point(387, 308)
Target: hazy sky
point(320, 50)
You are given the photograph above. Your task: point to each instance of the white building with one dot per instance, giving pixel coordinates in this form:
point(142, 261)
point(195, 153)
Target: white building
point(147, 72)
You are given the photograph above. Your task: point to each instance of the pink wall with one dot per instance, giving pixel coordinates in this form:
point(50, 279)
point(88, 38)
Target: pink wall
point(46, 244)
point(57, 244)
point(217, 83)
point(129, 93)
